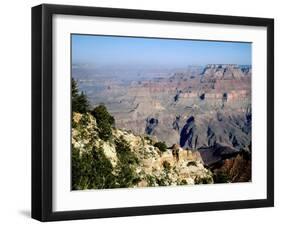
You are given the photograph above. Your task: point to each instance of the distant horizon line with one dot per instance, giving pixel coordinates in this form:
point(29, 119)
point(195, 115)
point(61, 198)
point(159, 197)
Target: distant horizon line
point(154, 65)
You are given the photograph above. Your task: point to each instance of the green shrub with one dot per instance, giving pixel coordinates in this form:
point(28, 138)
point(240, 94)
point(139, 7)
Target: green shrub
point(104, 122)
point(125, 167)
point(91, 170)
point(101, 114)
point(161, 146)
point(105, 132)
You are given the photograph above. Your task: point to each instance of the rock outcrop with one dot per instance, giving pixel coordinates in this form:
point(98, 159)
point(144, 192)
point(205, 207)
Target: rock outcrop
point(213, 72)
point(174, 166)
point(226, 128)
point(235, 169)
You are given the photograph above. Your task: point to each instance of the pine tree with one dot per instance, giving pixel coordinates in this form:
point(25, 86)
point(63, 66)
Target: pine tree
point(80, 102)
point(83, 103)
point(74, 88)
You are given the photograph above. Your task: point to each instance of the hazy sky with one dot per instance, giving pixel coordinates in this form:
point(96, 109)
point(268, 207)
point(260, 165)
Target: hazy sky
point(110, 50)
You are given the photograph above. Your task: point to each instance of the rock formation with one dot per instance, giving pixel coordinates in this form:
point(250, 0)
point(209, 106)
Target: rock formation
point(235, 169)
point(152, 166)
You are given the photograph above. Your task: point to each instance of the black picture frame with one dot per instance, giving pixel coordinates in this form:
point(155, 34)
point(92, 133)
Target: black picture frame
point(42, 111)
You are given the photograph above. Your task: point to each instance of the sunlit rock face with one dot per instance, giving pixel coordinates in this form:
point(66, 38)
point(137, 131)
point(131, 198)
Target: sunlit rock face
point(197, 108)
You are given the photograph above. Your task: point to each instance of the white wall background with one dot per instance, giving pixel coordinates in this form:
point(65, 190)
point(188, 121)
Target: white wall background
point(15, 113)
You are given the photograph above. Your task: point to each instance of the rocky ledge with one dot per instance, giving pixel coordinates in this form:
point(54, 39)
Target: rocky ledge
point(149, 163)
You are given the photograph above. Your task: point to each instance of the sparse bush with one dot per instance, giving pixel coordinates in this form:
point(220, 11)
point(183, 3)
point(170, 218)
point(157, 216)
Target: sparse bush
point(161, 181)
point(161, 146)
point(148, 139)
point(183, 182)
point(150, 180)
point(167, 166)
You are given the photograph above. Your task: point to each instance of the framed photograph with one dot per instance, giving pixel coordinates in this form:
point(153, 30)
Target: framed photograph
point(145, 112)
